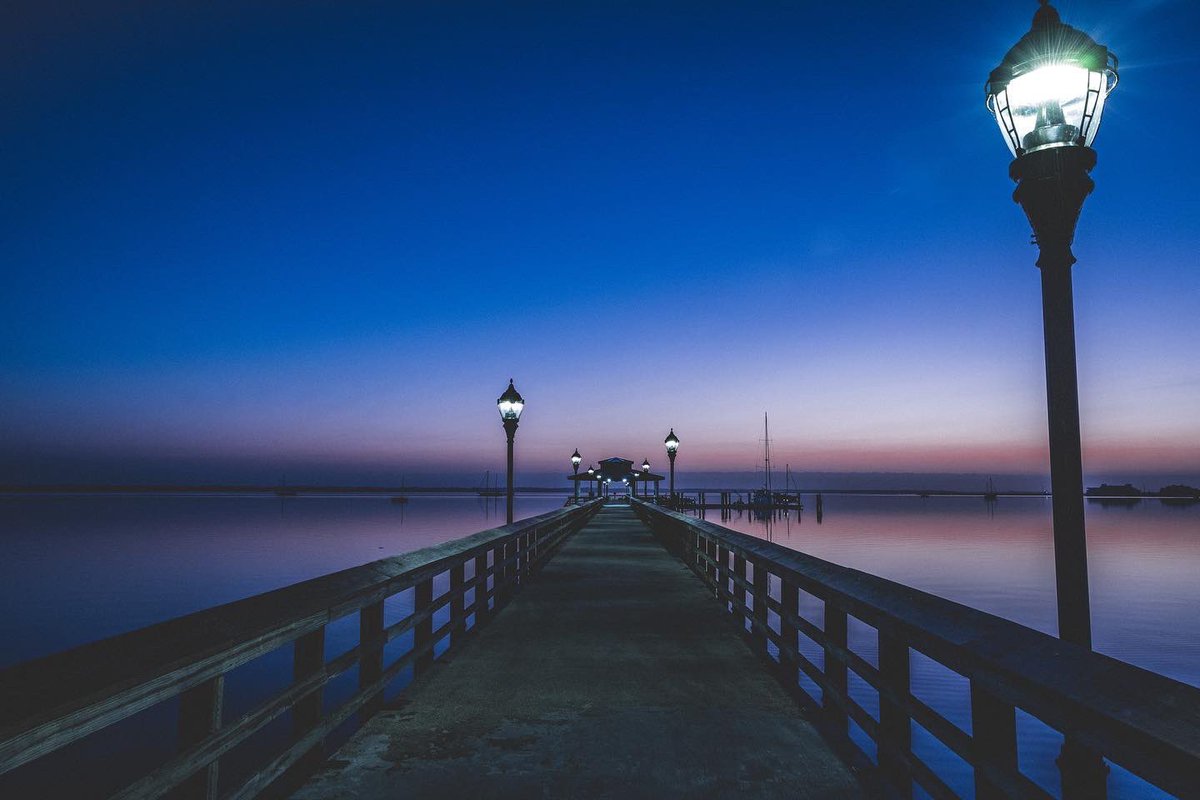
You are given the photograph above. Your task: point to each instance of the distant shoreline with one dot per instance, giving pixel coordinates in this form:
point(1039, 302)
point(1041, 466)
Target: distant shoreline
point(396, 490)
point(300, 490)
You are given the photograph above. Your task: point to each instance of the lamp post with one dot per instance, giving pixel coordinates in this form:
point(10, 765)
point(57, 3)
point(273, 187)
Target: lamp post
point(510, 404)
point(645, 477)
point(1047, 97)
point(575, 461)
point(672, 445)
point(591, 481)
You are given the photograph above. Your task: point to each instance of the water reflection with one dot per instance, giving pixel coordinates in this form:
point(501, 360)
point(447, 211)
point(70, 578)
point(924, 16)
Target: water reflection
point(84, 567)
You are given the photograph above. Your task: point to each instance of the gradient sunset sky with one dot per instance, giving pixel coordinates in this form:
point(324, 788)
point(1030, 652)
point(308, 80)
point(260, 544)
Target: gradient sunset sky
point(247, 238)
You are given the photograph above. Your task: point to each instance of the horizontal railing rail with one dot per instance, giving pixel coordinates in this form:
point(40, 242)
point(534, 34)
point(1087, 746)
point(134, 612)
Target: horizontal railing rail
point(48, 703)
point(1143, 721)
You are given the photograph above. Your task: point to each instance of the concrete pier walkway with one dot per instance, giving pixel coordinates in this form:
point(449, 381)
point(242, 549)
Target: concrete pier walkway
point(613, 674)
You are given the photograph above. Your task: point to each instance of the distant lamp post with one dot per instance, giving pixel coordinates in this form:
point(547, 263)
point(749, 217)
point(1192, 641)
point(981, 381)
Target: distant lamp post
point(1047, 97)
point(576, 459)
point(672, 445)
point(591, 480)
point(511, 404)
point(646, 477)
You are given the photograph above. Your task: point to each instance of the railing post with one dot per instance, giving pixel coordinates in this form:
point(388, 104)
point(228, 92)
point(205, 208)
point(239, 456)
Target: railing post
point(423, 632)
point(481, 589)
point(308, 659)
point(723, 574)
point(370, 664)
point(835, 669)
point(199, 717)
point(1084, 773)
point(458, 620)
point(739, 590)
point(761, 576)
point(789, 637)
point(499, 574)
point(706, 545)
point(994, 734)
point(895, 730)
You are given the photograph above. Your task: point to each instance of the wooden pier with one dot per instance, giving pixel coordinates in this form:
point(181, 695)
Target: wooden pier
point(593, 651)
point(613, 675)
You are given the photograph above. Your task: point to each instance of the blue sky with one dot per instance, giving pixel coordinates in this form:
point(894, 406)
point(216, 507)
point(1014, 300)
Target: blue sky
point(322, 236)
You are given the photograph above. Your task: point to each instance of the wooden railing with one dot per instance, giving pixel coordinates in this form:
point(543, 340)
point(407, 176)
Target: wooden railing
point(1143, 721)
point(51, 702)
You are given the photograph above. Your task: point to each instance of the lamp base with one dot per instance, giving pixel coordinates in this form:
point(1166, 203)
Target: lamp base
point(1051, 187)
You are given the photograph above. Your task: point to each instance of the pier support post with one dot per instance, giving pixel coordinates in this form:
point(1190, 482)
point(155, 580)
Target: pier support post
point(370, 664)
point(199, 717)
point(457, 602)
point(481, 589)
point(895, 730)
point(994, 732)
point(423, 632)
point(740, 590)
point(835, 669)
point(789, 605)
point(308, 659)
point(761, 577)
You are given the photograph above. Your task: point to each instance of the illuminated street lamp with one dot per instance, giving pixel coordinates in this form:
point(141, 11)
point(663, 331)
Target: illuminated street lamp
point(591, 480)
point(646, 477)
point(510, 404)
point(1047, 97)
point(575, 461)
point(672, 445)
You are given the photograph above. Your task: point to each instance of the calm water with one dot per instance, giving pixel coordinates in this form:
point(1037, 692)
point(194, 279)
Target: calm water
point(80, 568)
point(84, 567)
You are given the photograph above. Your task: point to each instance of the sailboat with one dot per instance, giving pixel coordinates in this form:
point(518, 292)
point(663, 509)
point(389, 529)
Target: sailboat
point(402, 498)
point(991, 493)
point(788, 485)
point(488, 490)
point(763, 498)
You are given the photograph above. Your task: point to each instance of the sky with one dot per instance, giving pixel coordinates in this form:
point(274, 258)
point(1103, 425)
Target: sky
point(247, 239)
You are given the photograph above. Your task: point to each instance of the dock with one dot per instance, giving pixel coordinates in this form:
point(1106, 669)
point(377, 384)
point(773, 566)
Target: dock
point(613, 674)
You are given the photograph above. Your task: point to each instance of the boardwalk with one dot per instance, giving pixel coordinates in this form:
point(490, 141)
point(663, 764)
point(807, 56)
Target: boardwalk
point(613, 674)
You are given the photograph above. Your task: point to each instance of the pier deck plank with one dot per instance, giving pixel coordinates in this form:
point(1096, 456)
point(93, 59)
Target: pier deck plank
point(612, 674)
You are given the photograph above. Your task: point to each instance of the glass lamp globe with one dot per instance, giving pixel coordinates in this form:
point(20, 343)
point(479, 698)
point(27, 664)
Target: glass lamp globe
point(591, 470)
point(671, 442)
point(510, 403)
point(1049, 90)
point(576, 458)
point(646, 466)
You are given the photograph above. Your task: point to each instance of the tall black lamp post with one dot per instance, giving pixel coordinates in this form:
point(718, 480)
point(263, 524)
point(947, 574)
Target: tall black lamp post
point(1047, 96)
point(591, 481)
point(672, 445)
point(575, 461)
point(645, 477)
point(510, 404)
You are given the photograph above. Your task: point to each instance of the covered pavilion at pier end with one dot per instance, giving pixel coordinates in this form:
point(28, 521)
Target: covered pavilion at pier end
point(618, 475)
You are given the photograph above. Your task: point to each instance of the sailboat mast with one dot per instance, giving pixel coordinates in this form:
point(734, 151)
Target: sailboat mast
point(767, 451)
